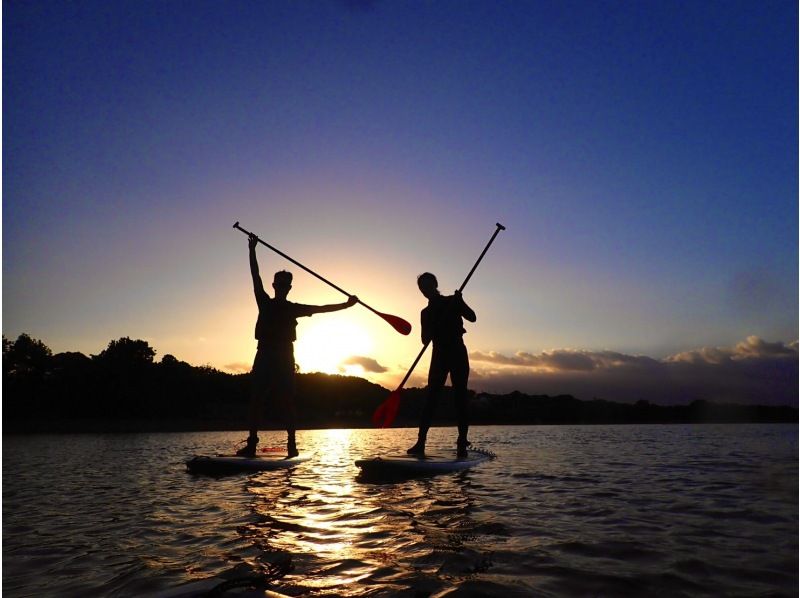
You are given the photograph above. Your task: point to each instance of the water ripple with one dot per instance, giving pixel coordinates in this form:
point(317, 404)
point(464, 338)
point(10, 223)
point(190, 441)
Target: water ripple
point(570, 510)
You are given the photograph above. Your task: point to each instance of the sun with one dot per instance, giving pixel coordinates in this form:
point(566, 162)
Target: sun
point(321, 346)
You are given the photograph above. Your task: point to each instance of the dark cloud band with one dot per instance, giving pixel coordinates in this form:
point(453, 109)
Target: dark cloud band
point(752, 371)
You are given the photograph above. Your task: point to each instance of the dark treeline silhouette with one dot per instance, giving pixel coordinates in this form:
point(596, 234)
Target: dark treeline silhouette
point(123, 388)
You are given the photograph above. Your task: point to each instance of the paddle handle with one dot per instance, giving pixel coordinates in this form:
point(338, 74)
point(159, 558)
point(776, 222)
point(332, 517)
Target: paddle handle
point(413, 365)
point(480, 257)
point(296, 263)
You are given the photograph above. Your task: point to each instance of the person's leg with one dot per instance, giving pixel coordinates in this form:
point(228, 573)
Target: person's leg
point(285, 399)
point(437, 375)
point(286, 402)
point(431, 401)
point(254, 412)
point(259, 383)
point(459, 375)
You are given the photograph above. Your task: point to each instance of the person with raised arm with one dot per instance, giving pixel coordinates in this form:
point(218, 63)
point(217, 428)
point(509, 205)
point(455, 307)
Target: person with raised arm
point(442, 325)
point(273, 367)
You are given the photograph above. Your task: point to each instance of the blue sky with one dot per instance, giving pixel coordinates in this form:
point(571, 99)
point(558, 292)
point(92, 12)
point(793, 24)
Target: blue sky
point(642, 155)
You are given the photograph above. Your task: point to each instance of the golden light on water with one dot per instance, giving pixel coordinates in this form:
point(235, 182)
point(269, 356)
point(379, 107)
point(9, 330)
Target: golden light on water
point(318, 511)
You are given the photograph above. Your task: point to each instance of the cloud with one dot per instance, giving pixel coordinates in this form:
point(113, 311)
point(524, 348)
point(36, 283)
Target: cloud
point(563, 359)
point(237, 368)
point(752, 371)
point(367, 364)
point(751, 348)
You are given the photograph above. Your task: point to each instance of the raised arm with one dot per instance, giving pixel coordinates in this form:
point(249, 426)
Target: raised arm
point(321, 309)
point(258, 286)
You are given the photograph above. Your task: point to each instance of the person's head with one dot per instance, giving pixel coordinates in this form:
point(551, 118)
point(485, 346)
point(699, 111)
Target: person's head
point(282, 283)
point(428, 285)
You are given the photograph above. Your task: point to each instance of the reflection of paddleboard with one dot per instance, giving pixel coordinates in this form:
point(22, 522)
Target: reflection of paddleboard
point(440, 461)
point(231, 463)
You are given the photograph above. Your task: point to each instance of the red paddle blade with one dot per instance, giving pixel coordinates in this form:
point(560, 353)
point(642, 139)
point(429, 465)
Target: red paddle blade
point(398, 324)
point(386, 412)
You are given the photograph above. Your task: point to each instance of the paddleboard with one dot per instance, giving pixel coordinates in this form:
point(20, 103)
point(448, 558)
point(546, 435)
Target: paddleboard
point(231, 463)
point(437, 461)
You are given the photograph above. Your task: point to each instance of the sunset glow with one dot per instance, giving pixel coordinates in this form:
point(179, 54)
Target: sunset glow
point(645, 214)
point(326, 342)
point(366, 298)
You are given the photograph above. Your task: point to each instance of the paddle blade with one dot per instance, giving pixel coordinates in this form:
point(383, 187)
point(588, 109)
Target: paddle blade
point(398, 324)
point(386, 412)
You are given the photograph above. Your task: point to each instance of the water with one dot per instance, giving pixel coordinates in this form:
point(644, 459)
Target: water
point(564, 511)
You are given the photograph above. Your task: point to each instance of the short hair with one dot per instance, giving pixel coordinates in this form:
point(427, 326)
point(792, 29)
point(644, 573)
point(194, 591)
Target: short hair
point(427, 277)
point(282, 278)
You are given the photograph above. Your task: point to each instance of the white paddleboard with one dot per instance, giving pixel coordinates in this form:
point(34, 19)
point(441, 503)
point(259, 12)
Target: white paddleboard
point(437, 461)
point(231, 463)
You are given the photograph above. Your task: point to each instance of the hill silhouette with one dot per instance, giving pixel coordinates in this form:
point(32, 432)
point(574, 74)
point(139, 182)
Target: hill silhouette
point(123, 388)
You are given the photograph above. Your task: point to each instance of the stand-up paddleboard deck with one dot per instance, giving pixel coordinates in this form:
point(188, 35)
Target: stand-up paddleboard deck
point(219, 464)
point(439, 461)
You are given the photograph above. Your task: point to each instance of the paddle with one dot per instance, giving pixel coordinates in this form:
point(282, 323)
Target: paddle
point(385, 413)
point(397, 323)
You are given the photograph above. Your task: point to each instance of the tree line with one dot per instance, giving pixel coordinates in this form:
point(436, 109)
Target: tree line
point(123, 388)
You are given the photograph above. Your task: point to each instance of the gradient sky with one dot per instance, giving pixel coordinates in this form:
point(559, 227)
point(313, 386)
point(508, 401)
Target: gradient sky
point(643, 156)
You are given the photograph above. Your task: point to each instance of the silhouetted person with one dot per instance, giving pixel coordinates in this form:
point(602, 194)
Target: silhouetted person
point(273, 368)
point(443, 326)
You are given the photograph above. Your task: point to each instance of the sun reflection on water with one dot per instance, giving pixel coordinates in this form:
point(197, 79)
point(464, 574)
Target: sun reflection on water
point(343, 532)
point(315, 513)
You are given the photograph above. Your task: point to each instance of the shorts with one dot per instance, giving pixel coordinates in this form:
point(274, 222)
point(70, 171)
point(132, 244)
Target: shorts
point(449, 359)
point(273, 370)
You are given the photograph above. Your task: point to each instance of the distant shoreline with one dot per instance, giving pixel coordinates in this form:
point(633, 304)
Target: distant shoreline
point(123, 390)
point(179, 427)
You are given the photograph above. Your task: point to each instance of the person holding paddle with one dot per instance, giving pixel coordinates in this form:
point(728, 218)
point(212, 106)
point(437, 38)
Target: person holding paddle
point(274, 368)
point(442, 325)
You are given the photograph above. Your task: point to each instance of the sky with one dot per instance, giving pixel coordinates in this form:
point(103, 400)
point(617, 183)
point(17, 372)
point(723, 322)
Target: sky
point(643, 157)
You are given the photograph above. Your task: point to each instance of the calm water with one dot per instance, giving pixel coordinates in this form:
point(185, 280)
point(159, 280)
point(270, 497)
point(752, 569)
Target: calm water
point(564, 511)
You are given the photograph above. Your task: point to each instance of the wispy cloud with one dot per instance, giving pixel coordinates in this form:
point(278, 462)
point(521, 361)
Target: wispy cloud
point(237, 368)
point(563, 360)
point(753, 370)
point(367, 364)
point(751, 348)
